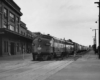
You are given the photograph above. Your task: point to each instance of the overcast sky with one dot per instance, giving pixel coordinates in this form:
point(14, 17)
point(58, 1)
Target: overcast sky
point(69, 19)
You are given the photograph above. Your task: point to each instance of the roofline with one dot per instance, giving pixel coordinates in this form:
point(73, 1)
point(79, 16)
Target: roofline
point(13, 7)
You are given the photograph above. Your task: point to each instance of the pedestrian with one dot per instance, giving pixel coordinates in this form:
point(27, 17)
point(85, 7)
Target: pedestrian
point(99, 51)
point(33, 55)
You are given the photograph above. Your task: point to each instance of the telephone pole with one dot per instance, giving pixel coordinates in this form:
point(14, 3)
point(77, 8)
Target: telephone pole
point(98, 27)
point(95, 41)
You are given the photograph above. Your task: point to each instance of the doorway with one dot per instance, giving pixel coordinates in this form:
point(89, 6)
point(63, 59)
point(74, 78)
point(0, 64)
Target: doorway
point(12, 48)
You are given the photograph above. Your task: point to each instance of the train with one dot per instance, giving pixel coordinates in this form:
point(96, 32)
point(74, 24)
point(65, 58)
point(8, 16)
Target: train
point(46, 47)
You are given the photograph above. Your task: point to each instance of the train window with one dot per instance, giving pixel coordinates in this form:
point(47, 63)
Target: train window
point(33, 44)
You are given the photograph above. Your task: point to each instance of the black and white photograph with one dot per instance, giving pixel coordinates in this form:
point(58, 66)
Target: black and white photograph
point(49, 40)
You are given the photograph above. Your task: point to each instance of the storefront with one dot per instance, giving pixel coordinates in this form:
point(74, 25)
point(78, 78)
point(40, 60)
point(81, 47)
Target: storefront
point(13, 44)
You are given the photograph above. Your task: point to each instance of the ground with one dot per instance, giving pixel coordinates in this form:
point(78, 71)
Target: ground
point(86, 67)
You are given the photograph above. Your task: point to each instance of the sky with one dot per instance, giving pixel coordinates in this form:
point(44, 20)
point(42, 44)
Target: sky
point(69, 19)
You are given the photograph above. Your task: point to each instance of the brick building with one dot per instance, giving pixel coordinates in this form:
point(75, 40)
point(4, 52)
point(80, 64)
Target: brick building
point(15, 38)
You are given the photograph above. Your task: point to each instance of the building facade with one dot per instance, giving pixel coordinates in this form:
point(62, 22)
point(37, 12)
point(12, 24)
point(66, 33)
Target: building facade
point(15, 38)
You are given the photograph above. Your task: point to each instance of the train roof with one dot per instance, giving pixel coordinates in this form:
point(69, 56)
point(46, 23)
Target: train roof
point(46, 36)
point(68, 42)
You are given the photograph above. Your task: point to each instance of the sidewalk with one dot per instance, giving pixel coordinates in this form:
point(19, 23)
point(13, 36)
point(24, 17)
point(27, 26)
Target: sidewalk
point(15, 60)
point(85, 68)
point(16, 57)
point(8, 63)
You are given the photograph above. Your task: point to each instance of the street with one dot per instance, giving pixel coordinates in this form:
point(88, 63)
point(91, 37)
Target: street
point(87, 67)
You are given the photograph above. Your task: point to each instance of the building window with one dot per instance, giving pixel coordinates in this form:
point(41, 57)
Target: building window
point(12, 17)
point(5, 25)
point(5, 13)
point(17, 28)
point(21, 32)
point(11, 27)
point(17, 19)
point(24, 34)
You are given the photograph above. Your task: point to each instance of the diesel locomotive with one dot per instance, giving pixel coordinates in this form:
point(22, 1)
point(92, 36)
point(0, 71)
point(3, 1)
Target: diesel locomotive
point(46, 47)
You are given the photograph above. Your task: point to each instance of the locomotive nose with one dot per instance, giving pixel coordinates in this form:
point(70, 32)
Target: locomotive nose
point(39, 49)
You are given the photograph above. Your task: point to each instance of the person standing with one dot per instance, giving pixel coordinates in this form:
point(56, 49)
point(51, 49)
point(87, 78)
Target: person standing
point(99, 51)
point(94, 48)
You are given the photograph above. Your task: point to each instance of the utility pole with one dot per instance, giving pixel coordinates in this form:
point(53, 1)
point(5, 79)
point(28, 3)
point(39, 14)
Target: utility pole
point(98, 27)
point(95, 41)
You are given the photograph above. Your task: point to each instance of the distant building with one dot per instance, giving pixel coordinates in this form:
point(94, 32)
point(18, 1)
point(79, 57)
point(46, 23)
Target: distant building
point(14, 36)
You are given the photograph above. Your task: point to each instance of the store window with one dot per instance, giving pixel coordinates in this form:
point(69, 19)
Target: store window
point(0, 19)
point(18, 47)
point(5, 46)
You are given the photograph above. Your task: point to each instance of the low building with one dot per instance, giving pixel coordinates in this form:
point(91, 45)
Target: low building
point(14, 36)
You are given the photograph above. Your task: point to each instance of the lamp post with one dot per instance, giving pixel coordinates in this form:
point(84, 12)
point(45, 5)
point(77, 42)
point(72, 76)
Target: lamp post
point(98, 26)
